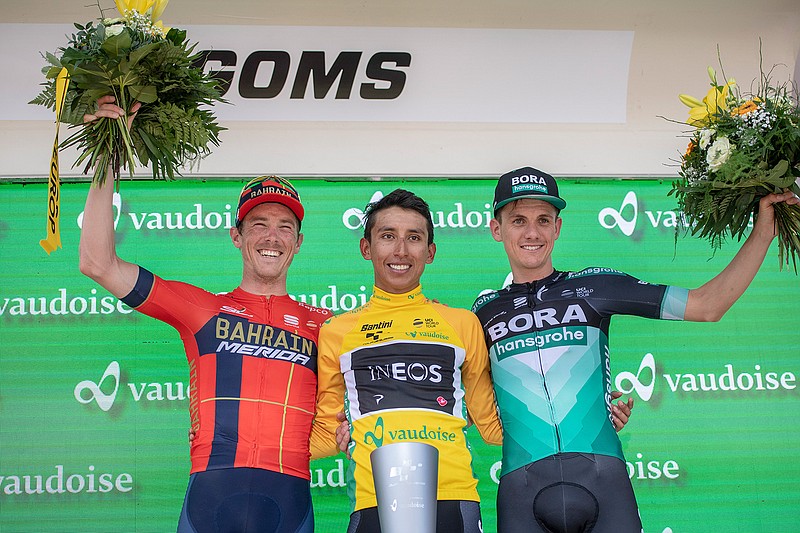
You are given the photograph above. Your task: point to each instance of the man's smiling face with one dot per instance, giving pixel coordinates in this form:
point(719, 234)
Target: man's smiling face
point(398, 248)
point(269, 238)
point(528, 230)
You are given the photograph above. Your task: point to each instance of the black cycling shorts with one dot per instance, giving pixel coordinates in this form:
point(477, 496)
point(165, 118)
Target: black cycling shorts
point(452, 516)
point(246, 500)
point(568, 493)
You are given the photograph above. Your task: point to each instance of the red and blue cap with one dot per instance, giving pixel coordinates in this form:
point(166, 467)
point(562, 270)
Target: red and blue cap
point(265, 189)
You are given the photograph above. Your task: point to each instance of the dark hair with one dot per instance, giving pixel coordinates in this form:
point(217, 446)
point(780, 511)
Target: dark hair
point(397, 198)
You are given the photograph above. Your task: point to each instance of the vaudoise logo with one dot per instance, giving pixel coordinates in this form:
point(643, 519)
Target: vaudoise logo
point(88, 390)
point(725, 377)
point(104, 392)
point(196, 217)
point(610, 218)
point(353, 218)
point(455, 216)
point(627, 217)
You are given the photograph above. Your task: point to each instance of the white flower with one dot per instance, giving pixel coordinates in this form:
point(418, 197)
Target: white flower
point(719, 152)
point(706, 134)
point(114, 29)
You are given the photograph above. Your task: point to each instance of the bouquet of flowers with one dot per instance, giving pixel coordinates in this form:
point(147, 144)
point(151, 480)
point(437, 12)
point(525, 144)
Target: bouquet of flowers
point(743, 147)
point(135, 58)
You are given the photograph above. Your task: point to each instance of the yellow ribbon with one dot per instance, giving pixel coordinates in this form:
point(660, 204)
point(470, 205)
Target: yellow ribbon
point(53, 239)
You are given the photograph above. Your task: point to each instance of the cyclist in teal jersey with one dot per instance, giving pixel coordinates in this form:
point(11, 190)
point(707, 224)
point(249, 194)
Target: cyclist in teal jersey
point(547, 334)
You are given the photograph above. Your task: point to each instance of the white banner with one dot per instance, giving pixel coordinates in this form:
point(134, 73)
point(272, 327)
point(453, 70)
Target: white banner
point(381, 74)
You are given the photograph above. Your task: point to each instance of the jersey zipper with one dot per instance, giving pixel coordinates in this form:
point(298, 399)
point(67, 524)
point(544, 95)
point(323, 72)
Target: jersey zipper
point(532, 289)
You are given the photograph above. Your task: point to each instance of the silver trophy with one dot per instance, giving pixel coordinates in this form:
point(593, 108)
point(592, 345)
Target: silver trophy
point(406, 477)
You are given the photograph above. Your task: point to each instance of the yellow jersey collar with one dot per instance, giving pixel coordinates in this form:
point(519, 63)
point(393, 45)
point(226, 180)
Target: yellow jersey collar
point(392, 299)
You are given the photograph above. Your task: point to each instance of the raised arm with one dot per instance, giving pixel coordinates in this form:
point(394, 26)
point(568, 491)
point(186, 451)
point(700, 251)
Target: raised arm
point(98, 255)
point(711, 301)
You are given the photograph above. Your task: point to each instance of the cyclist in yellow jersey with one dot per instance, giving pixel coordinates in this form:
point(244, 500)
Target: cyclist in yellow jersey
point(404, 368)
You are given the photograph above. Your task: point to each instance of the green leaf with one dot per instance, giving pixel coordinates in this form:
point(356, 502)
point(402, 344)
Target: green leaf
point(87, 69)
point(176, 36)
point(146, 94)
point(53, 60)
point(151, 147)
point(129, 78)
point(117, 45)
point(138, 54)
point(72, 56)
point(52, 72)
point(778, 176)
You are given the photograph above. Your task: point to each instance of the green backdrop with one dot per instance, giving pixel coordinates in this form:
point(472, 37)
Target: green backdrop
point(93, 408)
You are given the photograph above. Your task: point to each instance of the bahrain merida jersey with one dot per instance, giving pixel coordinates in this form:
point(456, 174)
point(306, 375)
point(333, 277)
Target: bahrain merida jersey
point(548, 346)
point(252, 372)
point(405, 369)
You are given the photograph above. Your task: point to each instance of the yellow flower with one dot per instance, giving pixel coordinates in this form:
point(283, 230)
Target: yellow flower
point(158, 8)
point(702, 113)
point(134, 5)
point(153, 8)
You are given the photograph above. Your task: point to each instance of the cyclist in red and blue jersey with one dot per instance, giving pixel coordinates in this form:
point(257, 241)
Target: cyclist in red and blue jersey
point(252, 357)
point(547, 334)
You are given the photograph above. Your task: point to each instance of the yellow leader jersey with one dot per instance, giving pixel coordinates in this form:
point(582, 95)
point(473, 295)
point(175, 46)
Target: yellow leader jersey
point(406, 369)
